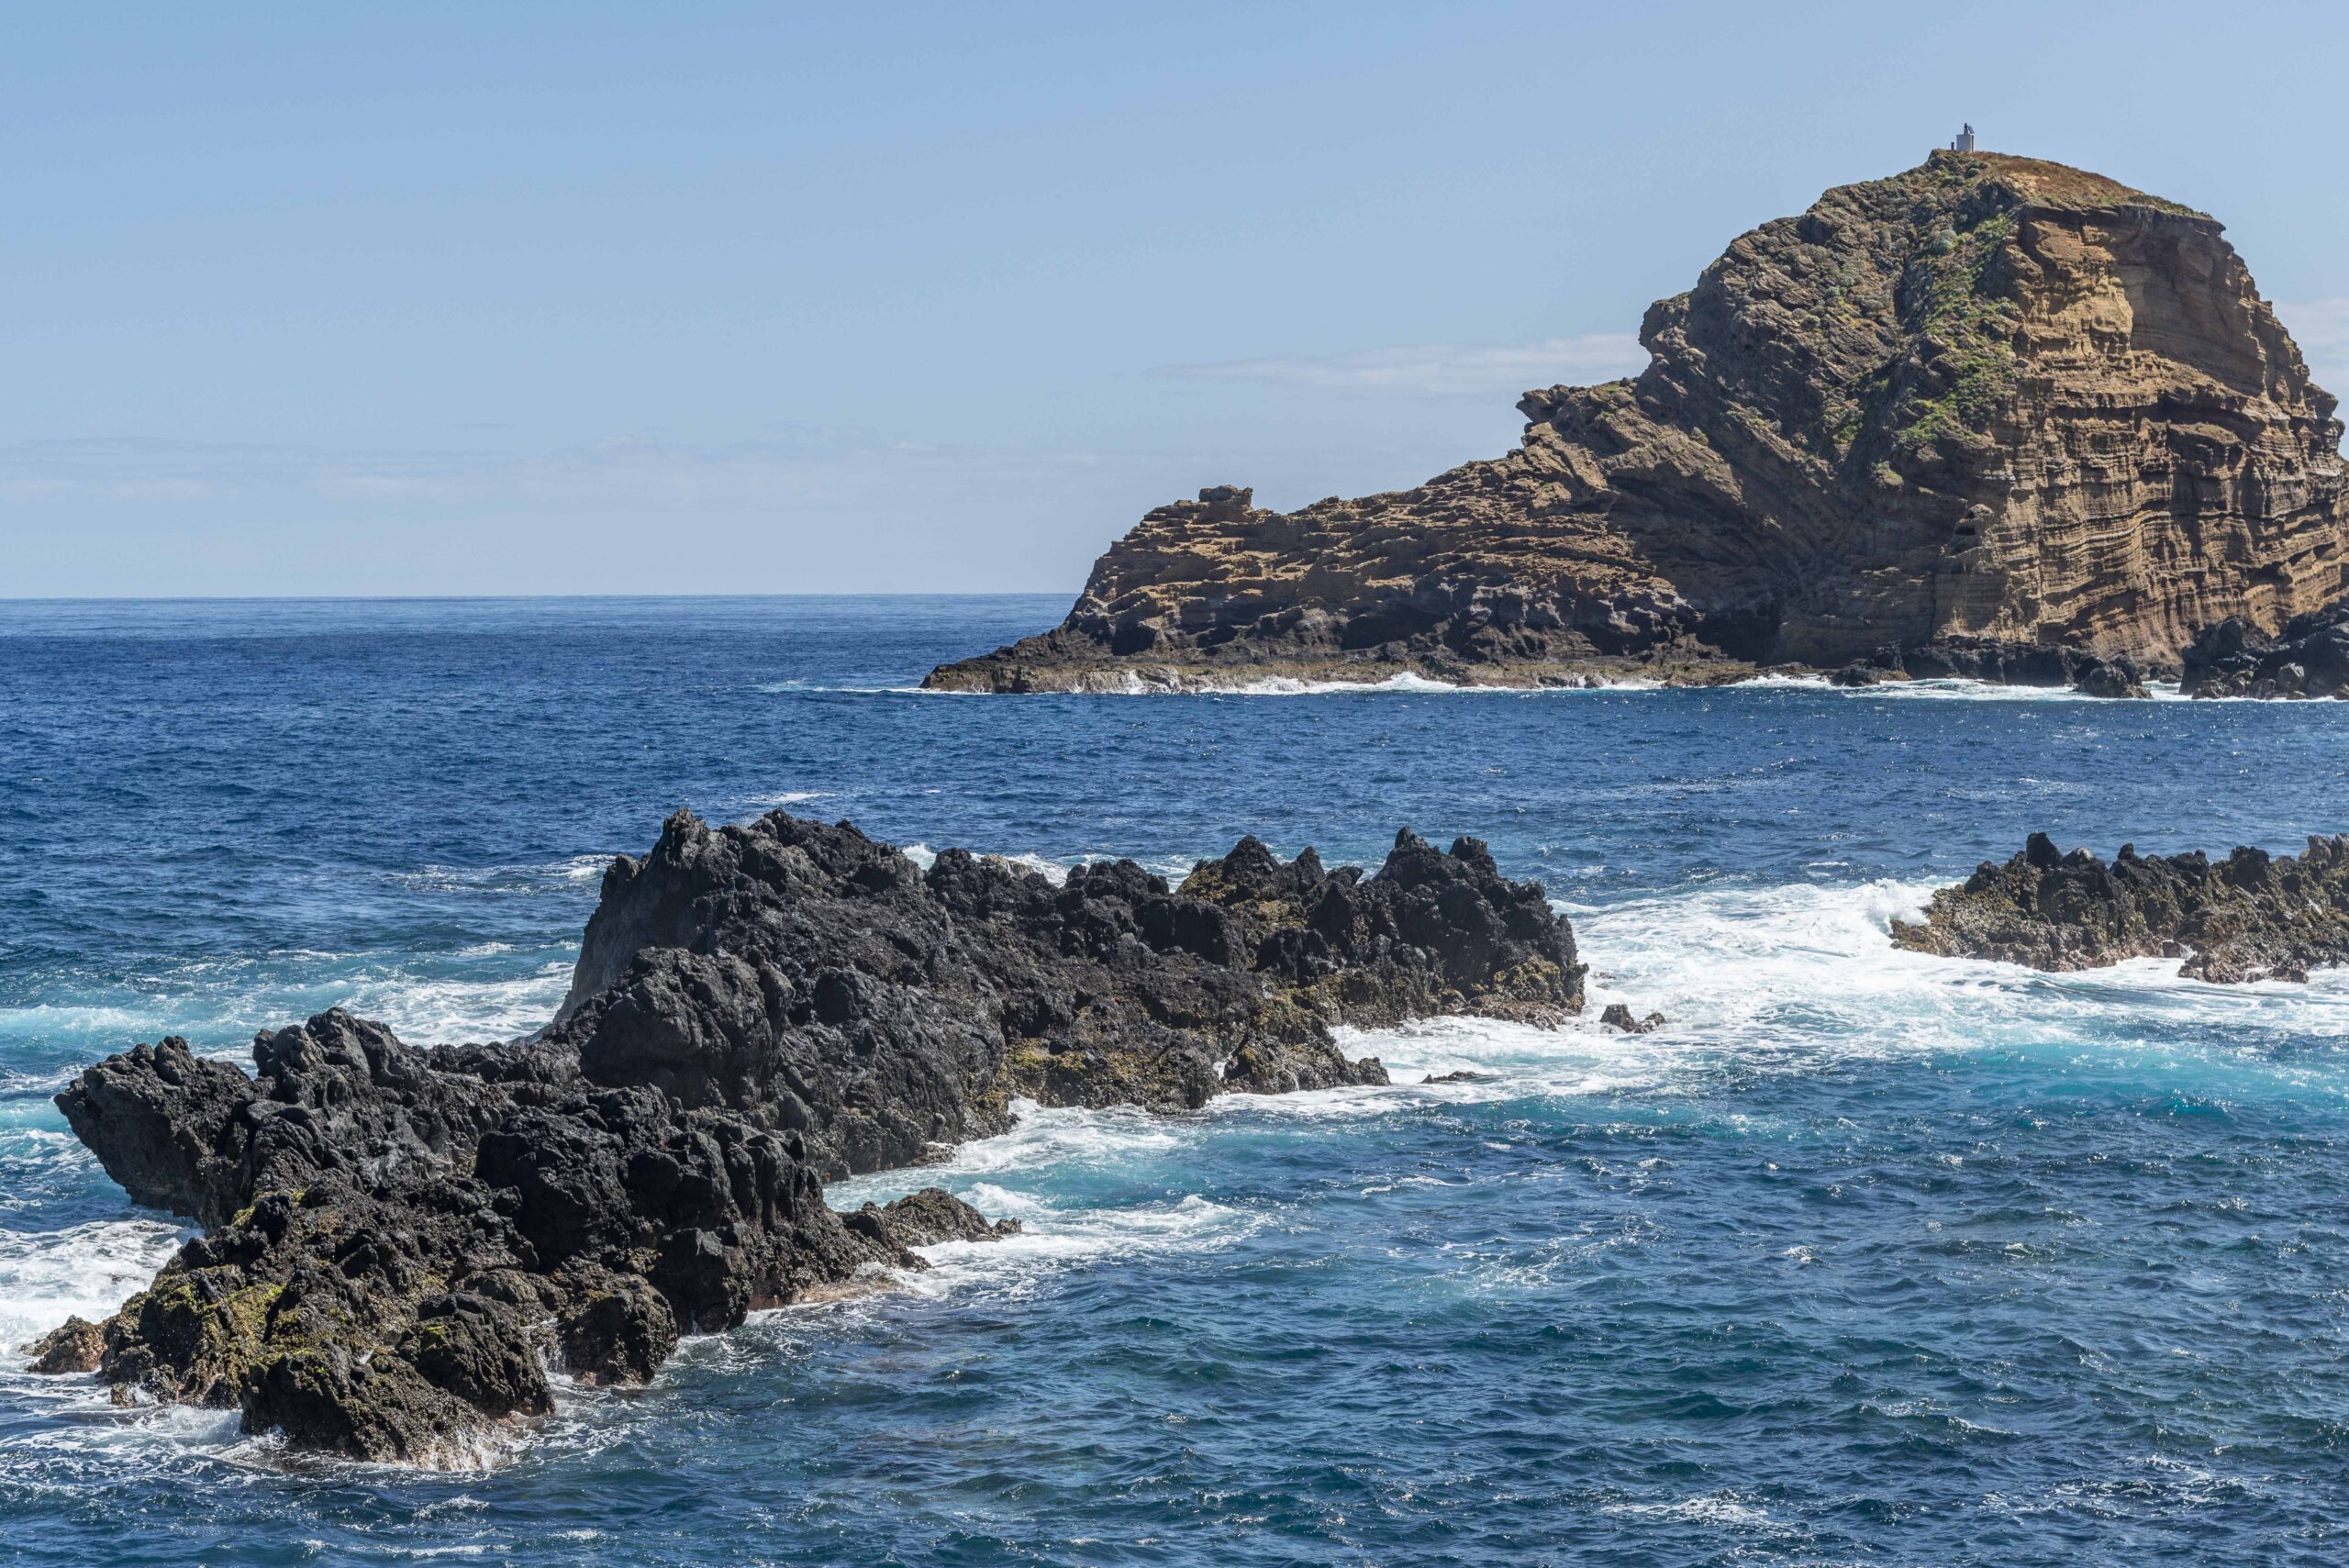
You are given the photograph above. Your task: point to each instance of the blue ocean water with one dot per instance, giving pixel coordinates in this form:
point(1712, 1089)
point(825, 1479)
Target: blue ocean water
point(1869, 1257)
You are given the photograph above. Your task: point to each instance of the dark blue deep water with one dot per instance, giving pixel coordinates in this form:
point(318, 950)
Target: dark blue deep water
point(1867, 1258)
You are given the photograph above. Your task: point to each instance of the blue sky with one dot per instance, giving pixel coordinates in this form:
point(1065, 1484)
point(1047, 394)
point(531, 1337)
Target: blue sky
point(587, 298)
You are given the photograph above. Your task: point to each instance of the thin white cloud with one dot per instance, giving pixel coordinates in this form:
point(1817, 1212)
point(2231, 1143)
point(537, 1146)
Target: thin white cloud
point(1441, 369)
point(2321, 327)
point(795, 509)
point(812, 465)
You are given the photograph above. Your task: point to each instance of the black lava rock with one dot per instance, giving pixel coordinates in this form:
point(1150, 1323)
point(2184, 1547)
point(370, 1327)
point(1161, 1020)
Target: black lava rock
point(2236, 659)
point(2252, 915)
point(1999, 662)
point(398, 1241)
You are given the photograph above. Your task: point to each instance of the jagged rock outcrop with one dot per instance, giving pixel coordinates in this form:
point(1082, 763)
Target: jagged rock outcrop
point(2236, 659)
point(398, 1241)
point(1990, 398)
point(2252, 915)
point(75, 1345)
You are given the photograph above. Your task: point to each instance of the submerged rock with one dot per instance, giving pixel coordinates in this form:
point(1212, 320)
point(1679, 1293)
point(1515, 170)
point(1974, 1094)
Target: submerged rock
point(399, 1241)
point(1621, 1019)
point(2252, 915)
point(76, 1345)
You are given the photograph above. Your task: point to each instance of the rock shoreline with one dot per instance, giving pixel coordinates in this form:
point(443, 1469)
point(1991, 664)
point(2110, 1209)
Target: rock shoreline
point(2250, 916)
point(1050, 664)
point(2310, 658)
point(399, 1242)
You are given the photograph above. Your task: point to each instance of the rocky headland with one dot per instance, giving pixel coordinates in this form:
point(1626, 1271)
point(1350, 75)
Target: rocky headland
point(399, 1242)
point(2252, 915)
point(1982, 414)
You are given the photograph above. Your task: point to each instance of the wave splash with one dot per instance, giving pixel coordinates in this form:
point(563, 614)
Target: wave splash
point(84, 1271)
point(1794, 978)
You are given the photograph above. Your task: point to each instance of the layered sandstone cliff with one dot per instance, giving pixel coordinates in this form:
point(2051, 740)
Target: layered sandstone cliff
point(1990, 398)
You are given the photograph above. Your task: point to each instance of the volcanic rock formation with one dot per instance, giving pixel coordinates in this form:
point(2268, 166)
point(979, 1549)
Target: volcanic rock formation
point(1990, 398)
point(2236, 659)
point(2252, 915)
point(398, 1241)
point(1999, 663)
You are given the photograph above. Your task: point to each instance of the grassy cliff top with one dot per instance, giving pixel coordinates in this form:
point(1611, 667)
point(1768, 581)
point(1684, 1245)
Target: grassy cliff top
point(2043, 183)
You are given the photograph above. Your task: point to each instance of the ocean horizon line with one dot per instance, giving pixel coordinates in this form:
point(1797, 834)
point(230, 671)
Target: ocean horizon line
point(495, 598)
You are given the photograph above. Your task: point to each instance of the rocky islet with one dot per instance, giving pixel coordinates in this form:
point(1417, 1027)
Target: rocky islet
point(1983, 415)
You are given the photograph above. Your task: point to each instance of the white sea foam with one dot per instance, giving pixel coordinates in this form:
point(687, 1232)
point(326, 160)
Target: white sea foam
point(436, 878)
point(1134, 684)
point(1943, 689)
point(1969, 691)
point(1781, 682)
point(1784, 978)
point(1062, 1138)
point(218, 1004)
point(84, 1271)
point(1804, 964)
point(851, 689)
point(1289, 686)
point(1051, 1240)
point(765, 803)
point(1724, 1509)
point(430, 1009)
point(45, 1019)
point(1001, 1176)
point(98, 1438)
point(1408, 682)
point(1053, 869)
point(1054, 872)
point(1498, 1060)
point(1779, 979)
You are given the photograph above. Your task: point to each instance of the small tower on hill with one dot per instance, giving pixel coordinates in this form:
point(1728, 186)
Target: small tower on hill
point(1963, 142)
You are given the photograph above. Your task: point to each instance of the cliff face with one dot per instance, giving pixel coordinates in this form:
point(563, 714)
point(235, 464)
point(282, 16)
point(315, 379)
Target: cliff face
point(1990, 397)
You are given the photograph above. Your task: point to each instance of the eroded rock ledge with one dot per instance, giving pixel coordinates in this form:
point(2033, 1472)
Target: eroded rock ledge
point(399, 1241)
point(2252, 915)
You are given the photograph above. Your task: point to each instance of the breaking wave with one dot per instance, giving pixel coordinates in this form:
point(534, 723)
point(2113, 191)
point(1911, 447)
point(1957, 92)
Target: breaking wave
point(82, 1270)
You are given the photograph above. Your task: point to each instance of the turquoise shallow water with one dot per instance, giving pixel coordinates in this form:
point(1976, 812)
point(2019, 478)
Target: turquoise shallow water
point(1867, 1257)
